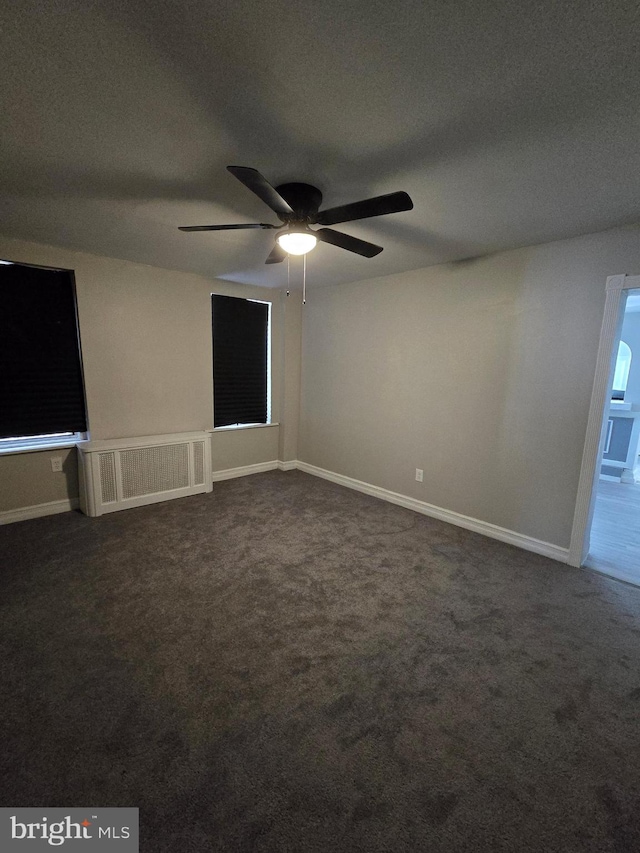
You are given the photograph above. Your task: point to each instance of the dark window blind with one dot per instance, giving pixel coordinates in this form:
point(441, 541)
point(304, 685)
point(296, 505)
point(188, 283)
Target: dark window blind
point(239, 361)
point(41, 387)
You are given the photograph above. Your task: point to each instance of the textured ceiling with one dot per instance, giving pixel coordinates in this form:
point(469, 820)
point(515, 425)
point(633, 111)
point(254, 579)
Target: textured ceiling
point(509, 123)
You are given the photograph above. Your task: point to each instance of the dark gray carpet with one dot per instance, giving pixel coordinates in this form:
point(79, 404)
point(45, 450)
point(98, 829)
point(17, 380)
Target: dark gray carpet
point(286, 665)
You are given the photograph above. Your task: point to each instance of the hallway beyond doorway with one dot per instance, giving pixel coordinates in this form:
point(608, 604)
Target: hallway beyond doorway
point(615, 532)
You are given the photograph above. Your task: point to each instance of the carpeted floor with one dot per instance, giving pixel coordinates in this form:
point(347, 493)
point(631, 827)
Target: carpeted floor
point(287, 665)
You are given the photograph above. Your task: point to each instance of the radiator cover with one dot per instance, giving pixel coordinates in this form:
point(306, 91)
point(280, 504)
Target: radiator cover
point(131, 472)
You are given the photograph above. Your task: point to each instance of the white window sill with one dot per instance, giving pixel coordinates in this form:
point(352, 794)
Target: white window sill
point(28, 447)
point(242, 426)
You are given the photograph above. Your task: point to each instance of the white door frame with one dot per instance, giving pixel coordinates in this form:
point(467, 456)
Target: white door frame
point(617, 287)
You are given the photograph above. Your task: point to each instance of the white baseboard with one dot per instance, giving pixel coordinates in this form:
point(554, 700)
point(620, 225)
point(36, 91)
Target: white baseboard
point(244, 470)
point(258, 468)
point(38, 510)
point(528, 543)
point(53, 507)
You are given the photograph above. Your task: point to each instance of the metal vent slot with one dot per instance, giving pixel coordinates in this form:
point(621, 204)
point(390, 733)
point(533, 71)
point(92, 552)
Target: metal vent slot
point(198, 462)
point(108, 477)
point(149, 470)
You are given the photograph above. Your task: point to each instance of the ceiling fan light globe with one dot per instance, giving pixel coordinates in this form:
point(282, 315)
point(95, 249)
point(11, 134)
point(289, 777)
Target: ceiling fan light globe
point(297, 242)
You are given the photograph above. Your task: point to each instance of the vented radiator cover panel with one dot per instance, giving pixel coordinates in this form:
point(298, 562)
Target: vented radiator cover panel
point(148, 470)
point(198, 462)
point(108, 477)
point(132, 472)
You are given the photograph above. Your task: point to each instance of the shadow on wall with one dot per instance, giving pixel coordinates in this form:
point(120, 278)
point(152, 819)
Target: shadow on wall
point(70, 472)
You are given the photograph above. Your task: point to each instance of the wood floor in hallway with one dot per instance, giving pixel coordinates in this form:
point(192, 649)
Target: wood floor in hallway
point(615, 533)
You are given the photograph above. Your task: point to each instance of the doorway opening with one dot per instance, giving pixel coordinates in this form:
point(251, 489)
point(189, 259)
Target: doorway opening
point(606, 532)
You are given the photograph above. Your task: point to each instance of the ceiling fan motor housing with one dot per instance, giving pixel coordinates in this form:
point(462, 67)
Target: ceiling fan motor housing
point(303, 198)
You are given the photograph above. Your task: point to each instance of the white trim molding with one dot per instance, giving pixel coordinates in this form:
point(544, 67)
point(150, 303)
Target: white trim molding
point(53, 507)
point(236, 427)
point(33, 447)
point(38, 510)
point(596, 427)
point(245, 470)
point(258, 468)
point(493, 531)
point(102, 445)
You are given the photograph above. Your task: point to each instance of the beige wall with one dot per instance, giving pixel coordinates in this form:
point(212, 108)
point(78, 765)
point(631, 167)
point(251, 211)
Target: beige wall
point(480, 373)
point(234, 448)
point(147, 356)
point(27, 479)
point(292, 309)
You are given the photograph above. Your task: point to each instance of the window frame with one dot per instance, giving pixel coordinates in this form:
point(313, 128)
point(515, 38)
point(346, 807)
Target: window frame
point(29, 443)
point(269, 422)
point(47, 441)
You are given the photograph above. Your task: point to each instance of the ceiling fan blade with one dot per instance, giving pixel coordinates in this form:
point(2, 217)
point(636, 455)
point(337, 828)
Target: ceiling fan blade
point(378, 206)
point(346, 241)
point(277, 255)
point(258, 184)
point(224, 227)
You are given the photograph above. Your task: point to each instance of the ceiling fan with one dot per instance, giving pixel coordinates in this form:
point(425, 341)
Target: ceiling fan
point(297, 205)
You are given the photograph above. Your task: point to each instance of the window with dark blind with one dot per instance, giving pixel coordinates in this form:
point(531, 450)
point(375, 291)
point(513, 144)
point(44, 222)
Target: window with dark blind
point(240, 361)
point(41, 384)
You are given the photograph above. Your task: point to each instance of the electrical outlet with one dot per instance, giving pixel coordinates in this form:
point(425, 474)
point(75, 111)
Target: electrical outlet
point(56, 463)
point(419, 475)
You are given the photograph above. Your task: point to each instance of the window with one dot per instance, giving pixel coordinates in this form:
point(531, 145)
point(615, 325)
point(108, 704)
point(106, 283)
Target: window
point(241, 361)
point(41, 384)
point(621, 373)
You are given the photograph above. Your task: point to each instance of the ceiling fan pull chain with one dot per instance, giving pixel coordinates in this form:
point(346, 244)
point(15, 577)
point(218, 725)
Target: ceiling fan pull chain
point(304, 279)
point(288, 271)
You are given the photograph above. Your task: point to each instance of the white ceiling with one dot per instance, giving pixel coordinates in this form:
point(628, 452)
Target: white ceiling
point(508, 123)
